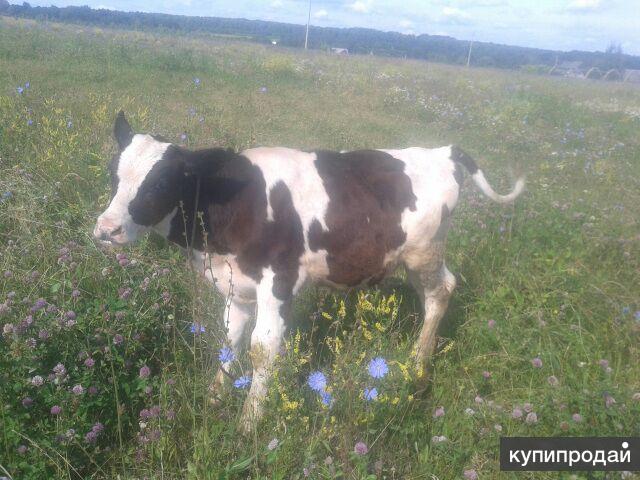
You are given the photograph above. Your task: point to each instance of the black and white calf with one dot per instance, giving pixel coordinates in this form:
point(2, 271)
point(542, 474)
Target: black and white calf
point(276, 218)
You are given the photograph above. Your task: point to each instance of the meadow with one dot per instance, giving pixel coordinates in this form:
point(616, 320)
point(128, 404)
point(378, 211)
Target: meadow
point(106, 355)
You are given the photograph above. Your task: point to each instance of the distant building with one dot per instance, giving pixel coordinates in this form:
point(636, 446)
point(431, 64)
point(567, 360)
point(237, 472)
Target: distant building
point(631, 76)
point(274, 42)
point(340, 51)
point(568, 69)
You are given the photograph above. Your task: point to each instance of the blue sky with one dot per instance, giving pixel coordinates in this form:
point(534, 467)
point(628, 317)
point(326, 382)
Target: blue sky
point(555, 24)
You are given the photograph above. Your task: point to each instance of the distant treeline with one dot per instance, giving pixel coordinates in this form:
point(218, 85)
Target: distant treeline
point(434, 48)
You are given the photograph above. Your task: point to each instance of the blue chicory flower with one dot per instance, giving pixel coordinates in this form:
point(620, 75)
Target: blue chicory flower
point(197, 328)
point(378, 367)
point(242, 382)
point(226, 355)
point(317, 381)
point(370, 394)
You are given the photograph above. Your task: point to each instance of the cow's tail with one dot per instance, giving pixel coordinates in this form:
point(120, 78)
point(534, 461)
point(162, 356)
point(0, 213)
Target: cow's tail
point(462, 158)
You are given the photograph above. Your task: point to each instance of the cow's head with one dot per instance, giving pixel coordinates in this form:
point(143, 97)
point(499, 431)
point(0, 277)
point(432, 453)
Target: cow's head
point(145, 186)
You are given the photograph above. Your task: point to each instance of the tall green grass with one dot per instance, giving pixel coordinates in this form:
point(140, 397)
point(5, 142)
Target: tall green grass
point(557, 273)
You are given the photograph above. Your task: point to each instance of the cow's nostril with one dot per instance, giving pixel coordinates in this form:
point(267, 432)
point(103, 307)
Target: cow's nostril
point(117, 231)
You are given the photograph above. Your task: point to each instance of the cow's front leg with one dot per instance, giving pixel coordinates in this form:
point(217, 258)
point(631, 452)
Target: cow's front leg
point(237, 313)
point(266, 340)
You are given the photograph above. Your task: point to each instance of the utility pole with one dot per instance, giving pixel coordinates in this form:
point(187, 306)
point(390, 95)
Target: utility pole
point(469, 55)
point(306, 36)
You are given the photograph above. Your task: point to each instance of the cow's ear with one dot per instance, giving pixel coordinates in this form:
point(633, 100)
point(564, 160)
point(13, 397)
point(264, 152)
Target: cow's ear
point(122, 131)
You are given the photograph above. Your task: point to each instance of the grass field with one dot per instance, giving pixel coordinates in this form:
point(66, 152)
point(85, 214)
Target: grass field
point(541, 338)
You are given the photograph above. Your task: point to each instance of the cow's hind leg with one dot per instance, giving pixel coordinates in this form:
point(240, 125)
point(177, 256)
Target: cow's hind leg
point(434, 287)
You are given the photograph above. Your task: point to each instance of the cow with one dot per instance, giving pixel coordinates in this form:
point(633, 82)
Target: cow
point(266, 221)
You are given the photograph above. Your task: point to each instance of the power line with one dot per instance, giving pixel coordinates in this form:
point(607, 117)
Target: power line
point(306, 36)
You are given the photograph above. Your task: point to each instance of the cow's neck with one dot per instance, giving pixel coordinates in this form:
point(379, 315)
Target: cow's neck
point(220, 213)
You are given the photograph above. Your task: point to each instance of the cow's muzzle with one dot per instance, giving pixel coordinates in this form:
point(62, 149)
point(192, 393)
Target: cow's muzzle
point(109, 232)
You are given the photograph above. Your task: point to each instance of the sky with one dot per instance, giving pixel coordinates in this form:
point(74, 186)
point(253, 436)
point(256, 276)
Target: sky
point(555, 24)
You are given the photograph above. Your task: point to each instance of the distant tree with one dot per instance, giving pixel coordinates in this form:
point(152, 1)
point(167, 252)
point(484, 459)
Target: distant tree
point(614, 49)
point(436, 48)
point(614, 57)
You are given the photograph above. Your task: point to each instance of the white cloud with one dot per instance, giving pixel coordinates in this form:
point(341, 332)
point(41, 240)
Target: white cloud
point(487, 3)
point(584, 5)
point(405, 23)
point(360, 6)
point(471, 3)
point(276, 4)
point(322, 13)
point(455, 13)
point(454, 16)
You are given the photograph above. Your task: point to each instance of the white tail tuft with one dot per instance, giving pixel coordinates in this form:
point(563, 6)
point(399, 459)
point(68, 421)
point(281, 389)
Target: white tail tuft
point(483, 185)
